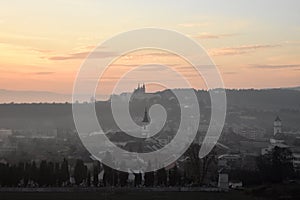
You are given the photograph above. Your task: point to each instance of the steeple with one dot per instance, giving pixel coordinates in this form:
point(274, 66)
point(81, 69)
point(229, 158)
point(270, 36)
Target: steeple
point(144, 88)
point(146, 119)
point(277, 126)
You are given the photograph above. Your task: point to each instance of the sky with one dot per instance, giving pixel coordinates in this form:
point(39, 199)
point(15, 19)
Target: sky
point(255, 44)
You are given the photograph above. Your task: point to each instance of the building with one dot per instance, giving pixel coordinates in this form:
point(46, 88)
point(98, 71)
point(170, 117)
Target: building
point(223, 181)
point(140, 93)
point(140, 89)
point(278, 136)
point(277, 126)
point(253, 133)
point(4, 133)
point(281, 140)
point(278, 139)
point(229, 161)
point(146, 119)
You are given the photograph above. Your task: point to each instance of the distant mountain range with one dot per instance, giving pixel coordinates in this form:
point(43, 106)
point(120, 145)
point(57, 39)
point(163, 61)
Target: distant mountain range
point(8, 96)
point(27, 96)
point(293, 88)
point(245, 108)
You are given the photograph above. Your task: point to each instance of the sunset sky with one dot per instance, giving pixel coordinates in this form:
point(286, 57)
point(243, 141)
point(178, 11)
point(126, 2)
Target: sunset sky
point(254, 43)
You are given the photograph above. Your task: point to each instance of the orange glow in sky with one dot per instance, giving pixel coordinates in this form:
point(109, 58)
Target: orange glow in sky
point(43, 44)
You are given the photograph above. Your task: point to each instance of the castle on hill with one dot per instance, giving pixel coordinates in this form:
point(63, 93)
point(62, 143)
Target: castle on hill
point(140, 89)
point(140, 92)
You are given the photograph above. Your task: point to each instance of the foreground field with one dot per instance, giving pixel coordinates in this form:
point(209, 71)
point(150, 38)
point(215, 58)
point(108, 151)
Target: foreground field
point(125, 195)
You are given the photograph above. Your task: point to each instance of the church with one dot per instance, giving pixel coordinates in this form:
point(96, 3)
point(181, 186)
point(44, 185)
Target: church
point(281, 139)
point(278, 138)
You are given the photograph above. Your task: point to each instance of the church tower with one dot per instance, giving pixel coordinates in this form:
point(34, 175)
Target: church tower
point(277, 126)
point(146, 120)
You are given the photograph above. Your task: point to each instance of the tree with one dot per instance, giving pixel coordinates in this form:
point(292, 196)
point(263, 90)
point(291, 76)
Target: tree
point(174, 176)
point(79, 172)
point(149, 177)
point(115, 177)
point(51, 175)
point(64, 173)
point(197, 168)
point(123, 178)
point(34, 173)
point(276, 165)
point(162, 177)
point(96, 171)
point(137, 179)
point(56, 176)
point(27, 174)
point(43, 174)
point(109, 175)
point(20, 172)
point(88, 179)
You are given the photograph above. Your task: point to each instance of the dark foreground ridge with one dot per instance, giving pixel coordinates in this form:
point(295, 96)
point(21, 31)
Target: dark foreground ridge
point(132, 195)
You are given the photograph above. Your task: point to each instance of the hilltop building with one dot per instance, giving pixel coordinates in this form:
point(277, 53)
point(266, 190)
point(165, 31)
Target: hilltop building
point(140, 89)
point(140, 92)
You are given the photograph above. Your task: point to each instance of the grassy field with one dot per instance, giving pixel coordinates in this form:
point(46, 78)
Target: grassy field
point(125, 195)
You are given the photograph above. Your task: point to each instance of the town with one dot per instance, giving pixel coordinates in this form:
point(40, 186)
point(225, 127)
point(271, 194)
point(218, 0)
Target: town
point(49, 157)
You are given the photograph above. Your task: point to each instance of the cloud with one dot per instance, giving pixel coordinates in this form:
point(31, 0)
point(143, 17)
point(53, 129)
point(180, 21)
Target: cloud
point(42, 50)
point(200, 67)
point(229, 73)
point(277, 66)
point(212, 36)
point(241, 49)
point(191, 25)
point(159, 54)
point(84, 54)
point(43, 73)
point(292, 42)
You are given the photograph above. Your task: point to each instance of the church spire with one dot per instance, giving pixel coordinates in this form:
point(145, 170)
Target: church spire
point(146, 118)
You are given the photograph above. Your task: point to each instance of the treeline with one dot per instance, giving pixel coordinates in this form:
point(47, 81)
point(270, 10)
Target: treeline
point(276, 166)
point(30, 175)
point(48, 174)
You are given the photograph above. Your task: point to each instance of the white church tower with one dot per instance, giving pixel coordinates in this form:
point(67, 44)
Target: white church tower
point(277, 126)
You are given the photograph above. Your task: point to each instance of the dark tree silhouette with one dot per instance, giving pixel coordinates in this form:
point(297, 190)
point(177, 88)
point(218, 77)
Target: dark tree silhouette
point(96, 171)
point(276, 165)
point(162, 177)
point(174, 176)
point(149, 177)
point(79, 172)
point(34, 173)
point(137, 179)
point(196, 169)
point(88, 179)
point(64, 173)
point(109, 174)
point(56, 175)
point(123, 178)
point(43, 174)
